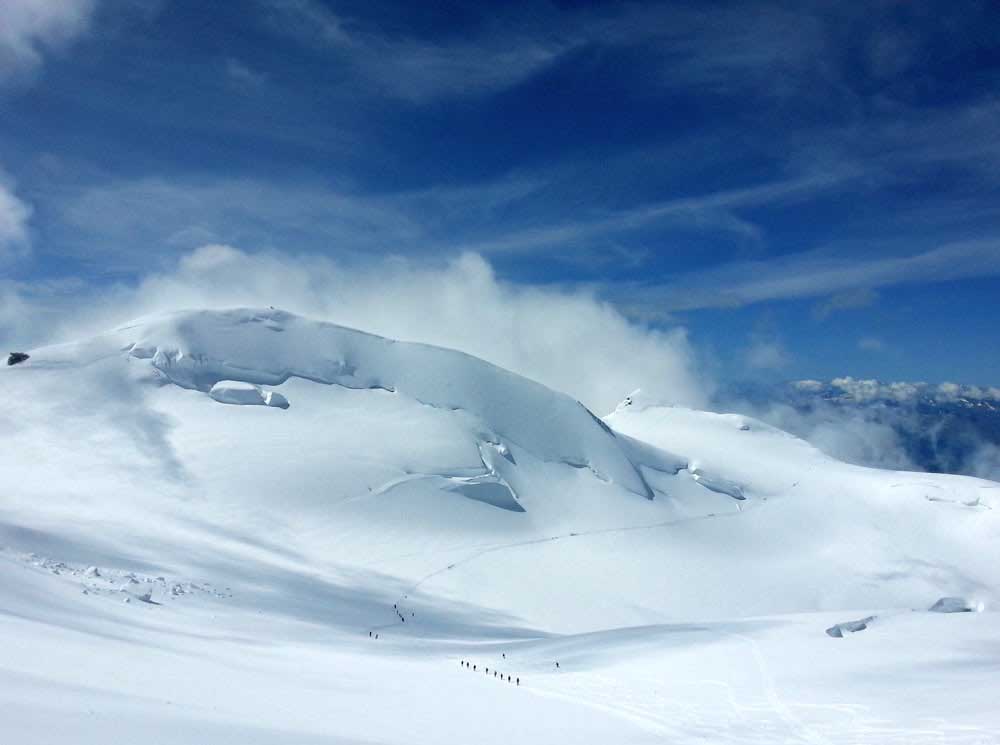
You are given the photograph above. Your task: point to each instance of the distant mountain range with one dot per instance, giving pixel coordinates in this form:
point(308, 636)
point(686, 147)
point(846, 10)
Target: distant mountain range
point(939, 428)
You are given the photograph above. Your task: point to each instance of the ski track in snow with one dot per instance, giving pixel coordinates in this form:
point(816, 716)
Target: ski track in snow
point(493, 548)
point(772, 720)
point(777, 704)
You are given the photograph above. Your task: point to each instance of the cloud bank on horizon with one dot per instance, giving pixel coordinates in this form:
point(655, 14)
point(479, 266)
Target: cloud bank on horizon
point(685, 193)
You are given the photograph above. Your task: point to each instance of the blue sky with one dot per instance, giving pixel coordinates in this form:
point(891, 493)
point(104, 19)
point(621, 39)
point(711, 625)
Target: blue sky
point(810, 189)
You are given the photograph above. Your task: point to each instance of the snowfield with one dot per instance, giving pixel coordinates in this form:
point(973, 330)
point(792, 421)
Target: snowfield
point(244, 526)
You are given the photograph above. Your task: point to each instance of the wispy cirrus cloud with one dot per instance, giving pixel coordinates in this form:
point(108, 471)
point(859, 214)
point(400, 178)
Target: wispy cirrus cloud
point(108, 222)
point(853, 299)
point(416, 69)
point(508, 218)
point(713, 211)
point(771, 51)
point(30, 28)
point(714, 47)
point(814, 274)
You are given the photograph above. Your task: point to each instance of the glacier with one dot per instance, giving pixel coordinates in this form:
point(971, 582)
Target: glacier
point(209, 516)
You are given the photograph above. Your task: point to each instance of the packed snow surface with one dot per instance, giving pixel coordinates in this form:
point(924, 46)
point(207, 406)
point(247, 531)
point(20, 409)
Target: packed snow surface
point(178, 571)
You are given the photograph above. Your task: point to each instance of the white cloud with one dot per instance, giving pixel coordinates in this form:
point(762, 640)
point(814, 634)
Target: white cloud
point(849, 434)
point(871, 344)
point(809, 386)
point(29, 28)
point(985, 462)
point(870, 390)
point(567, 340)
point(14, 215)
point(767, 354)
point(32, 311)
point(866, 391)
point(15, 315)
point(848, 418)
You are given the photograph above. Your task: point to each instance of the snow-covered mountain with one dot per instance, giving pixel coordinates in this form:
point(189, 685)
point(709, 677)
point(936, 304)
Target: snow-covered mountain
point(269, 493)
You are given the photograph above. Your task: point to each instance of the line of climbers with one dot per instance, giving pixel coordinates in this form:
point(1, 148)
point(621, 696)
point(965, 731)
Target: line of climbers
point(496, 673)
point(468, 665)
point(399, 613)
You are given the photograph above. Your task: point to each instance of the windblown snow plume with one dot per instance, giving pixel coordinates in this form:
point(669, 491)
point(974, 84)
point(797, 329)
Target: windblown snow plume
point(461, 305)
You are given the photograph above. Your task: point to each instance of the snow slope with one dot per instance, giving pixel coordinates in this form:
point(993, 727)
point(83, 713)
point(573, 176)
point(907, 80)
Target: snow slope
point(207, 516)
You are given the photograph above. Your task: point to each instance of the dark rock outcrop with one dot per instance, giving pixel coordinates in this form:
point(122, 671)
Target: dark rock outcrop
point(14, 357)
